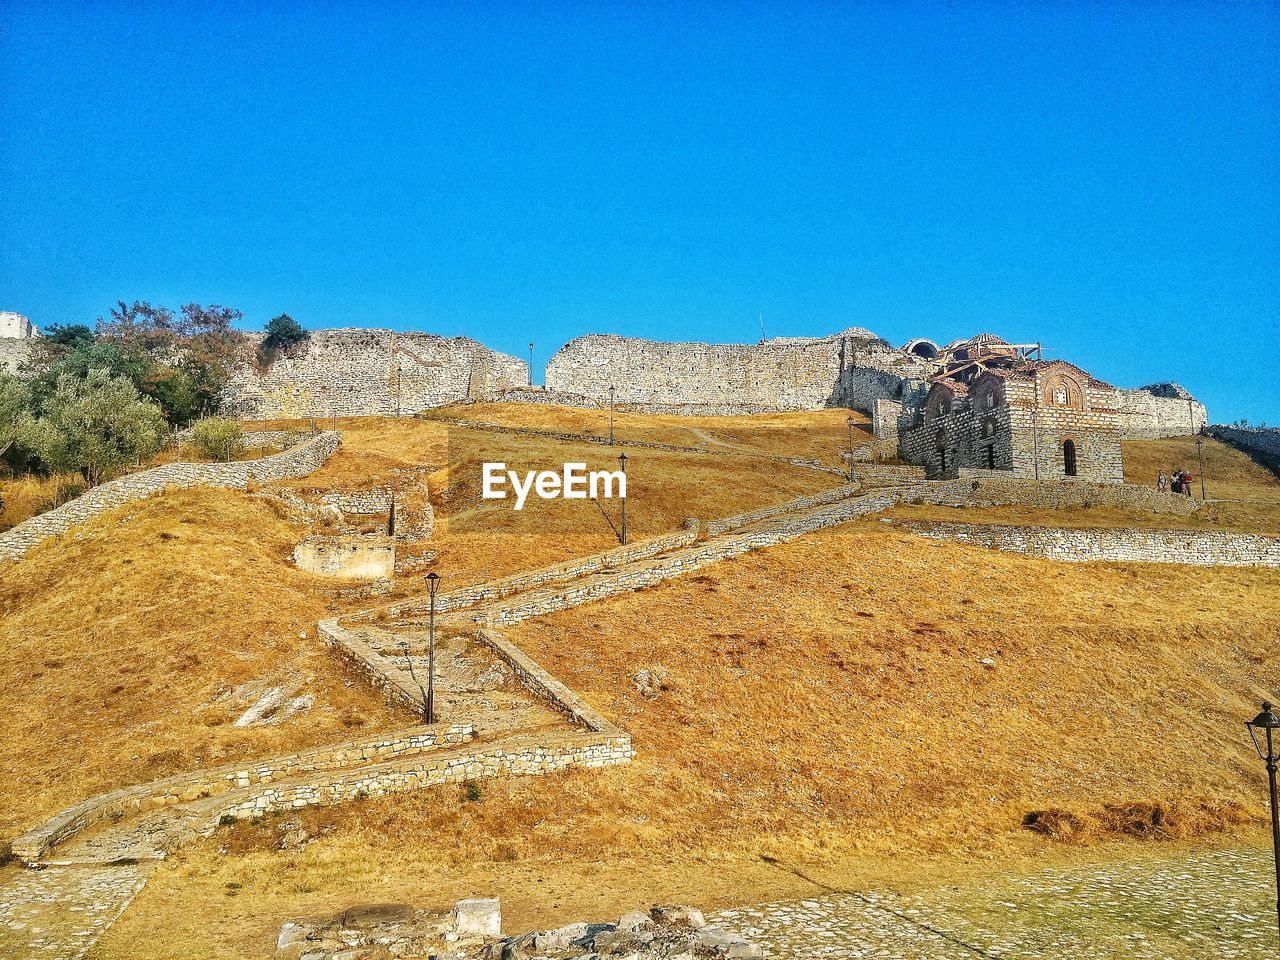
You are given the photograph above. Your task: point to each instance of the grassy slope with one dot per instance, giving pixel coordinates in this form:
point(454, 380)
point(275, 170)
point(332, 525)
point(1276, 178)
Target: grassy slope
point(117, 643)
point(827, 705)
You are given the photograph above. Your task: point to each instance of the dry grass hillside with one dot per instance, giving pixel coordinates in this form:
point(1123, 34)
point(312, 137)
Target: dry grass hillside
point(856, 700)
point(125, 646)
point(123, 649)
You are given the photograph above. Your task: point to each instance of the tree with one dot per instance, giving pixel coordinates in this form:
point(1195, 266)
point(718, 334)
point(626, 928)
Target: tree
point(95, 424)
point(218, 438)
point(283, 332)
point(68, 336)
point(16, 399)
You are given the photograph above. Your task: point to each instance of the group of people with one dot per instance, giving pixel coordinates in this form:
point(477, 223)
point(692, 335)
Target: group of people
point(1181, 482)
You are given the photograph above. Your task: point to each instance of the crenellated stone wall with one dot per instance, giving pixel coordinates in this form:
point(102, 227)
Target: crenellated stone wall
point(366, 372)
point(853, 368)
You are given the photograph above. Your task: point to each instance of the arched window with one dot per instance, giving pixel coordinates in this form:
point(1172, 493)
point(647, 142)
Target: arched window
point(1069, 458)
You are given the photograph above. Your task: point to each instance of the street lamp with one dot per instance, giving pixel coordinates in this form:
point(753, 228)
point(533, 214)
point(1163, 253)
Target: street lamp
point(622, 461)
point(531, 363)
point(1268, 721)
point(611, 392)
point(433, 584)
point(1200, 456)
point(850, 422)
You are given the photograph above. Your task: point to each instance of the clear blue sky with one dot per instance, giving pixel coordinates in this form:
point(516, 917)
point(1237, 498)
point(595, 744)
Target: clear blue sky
point(1101, 178)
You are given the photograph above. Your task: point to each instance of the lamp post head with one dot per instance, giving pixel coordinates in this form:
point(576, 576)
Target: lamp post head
point(622, 460)
point(433, 582)
point(1268, 721)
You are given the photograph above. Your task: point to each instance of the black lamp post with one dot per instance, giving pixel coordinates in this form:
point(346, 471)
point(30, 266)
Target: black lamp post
point(611, 392)
point(1200, 457)
point(1268, 721)
point(433, 584)
point(850, 422)
point(622, 461)
point(531, 363)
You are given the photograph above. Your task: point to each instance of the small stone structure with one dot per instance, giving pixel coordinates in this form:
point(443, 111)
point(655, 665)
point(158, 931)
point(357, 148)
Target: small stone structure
point(298, 461)
point(366, 372)
point(354, 556)
point(1082, 545)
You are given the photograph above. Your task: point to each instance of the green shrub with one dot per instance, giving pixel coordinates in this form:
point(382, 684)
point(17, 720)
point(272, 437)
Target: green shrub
point(218, 438)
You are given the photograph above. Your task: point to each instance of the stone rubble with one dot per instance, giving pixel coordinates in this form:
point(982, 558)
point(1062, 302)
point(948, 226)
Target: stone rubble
point(472, 931)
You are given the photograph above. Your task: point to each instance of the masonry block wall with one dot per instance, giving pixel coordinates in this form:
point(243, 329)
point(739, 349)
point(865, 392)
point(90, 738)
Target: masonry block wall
point(14, 353)
point(1191, 547)
point(853, 368)
point(360, 372)
point(1159, 410)
point(297, 461)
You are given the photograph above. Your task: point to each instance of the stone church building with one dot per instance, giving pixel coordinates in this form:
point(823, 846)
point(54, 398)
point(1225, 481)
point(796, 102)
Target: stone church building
point(996, 406)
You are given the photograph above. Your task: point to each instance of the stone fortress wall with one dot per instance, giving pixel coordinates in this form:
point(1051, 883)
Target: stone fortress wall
point(853, 368)
point(360, 371)
point(1160, 410)
point(367, 372)
point(1261, 443)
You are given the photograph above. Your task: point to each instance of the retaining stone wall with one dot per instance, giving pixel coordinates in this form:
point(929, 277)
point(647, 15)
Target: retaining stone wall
point(716, 527)
point(298, 461)
point(506, 586)
point(515, 756)
point(888, 472)
point(396, 684)
point(1191, 547)
point(34, 844)
point(547, 686)
point(1052, 495)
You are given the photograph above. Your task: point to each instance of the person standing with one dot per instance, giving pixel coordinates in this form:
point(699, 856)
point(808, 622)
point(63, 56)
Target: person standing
point(1186, 483)
point(1163, 483)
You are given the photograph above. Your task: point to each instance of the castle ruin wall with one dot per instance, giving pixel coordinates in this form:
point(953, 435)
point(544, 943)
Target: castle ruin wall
point(367, 372)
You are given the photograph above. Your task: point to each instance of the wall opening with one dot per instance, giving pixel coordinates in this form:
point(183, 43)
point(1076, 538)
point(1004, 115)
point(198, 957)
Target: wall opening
point(991, 457)
point(1069, 458)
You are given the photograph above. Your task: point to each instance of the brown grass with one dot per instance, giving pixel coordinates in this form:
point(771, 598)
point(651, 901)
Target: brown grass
point(828, 703)
point(116, 647)
point(119, 640)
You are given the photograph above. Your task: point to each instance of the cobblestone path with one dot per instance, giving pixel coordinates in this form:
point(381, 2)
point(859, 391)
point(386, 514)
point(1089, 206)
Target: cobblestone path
point(1217, 905)
point(59, 912)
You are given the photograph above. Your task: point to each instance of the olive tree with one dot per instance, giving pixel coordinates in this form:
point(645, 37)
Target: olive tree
point(95, 425)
